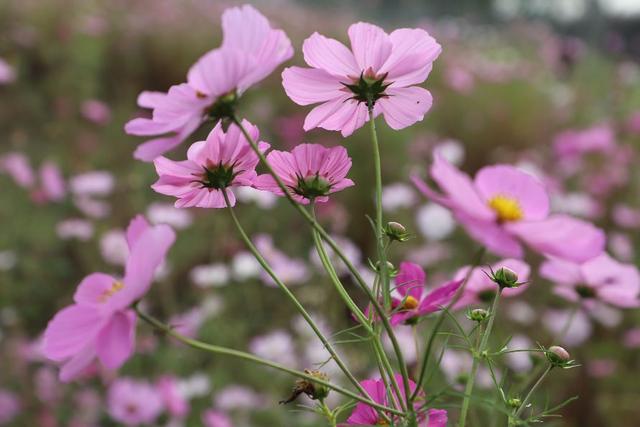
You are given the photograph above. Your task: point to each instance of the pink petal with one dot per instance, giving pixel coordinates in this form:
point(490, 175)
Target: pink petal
point(73, 368)
point(437, 418)
point(70, 330)
point(146, 127)
point(562, 272)
point(493, 236)
point(504, 180)
point(403, 107)
point(562, 236)
point(115, 341)
point(410, 280)
point(370, 44)
point(149, 99)
point(92, 288)
point(310, 85)
point(331, 56)
point(412, 55)
point(220, 71)
point(439, 297)
point(137, 226)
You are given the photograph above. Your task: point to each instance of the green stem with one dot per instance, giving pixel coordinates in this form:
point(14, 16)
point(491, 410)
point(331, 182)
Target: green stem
point(479, 353)
point(255, 359)
point(336, 248)
point(533, 389)
point(265, 265)
point(328, 413)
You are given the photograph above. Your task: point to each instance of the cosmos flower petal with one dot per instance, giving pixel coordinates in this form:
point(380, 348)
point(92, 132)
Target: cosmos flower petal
point(114, 344)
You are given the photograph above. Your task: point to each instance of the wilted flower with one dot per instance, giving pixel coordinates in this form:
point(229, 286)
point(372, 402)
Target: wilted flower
point(380, 68)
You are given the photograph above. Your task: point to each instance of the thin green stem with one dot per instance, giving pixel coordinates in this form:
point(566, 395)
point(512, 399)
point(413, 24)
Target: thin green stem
point(336, 248)
point(531, 391)
point(255, 359)
point(479, 354)
point(328, 414)
point(265, 265)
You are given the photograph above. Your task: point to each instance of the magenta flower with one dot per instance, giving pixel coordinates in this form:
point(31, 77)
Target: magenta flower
point(100, 323)
point(414, 301)
point(310, 171)
point(481, 289)
point(504, 206)
point(381, 68)
point(365, 415)
point(212, 166)
point(599, 279)
point(133, 402)
point(214, 82)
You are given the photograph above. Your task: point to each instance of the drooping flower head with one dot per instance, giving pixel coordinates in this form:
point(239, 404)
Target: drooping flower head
point(414, 301)
point(100, 323)
point(310, 172)
point(601, 279)
point(380, 68)
point(504, 206)
point(480, 288)
point(250, 51)
point(365, 415)
point(223, 160)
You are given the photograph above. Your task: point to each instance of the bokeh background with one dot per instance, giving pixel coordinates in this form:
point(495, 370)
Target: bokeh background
point(512, 77)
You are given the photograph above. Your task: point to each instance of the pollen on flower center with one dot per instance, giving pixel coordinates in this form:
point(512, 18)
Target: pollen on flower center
point(108, 293)
point(410, 303)
point(507, 208)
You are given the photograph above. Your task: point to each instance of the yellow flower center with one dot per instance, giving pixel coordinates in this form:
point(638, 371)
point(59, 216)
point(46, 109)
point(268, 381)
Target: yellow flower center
point(108, 293)
point(410, 303)
point(507, 208)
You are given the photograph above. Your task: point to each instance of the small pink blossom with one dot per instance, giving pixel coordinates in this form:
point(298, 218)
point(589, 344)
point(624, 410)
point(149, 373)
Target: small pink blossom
point(504, 206)
point(381, 68)
point(212, 166)
point(75, 228)
point(480, 288)
point(599, 279)
point(413, 301)
point(365, 415)
point(9, 407)
point(132, 402)
point(7, 73)
point(310, 172)
point(214, 82)
point(96, 111)
point(100, 323)
point(17, 166)
point(174, 401)
point(213, 418)
point(575, 143)
point(93, 183)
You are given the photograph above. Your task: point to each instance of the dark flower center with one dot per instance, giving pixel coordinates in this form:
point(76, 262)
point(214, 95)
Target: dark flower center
point(312, 186)
point(368, 87)
point(217, 176)
point(224, 107)
point(585, 291)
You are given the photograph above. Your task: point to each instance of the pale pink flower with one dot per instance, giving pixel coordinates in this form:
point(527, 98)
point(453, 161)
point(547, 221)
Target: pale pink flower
point(18, 167)
point(292, 271)
point(213, 418)
point(575, 143)
point(212, 166)
point(7, 73)
point(277, 346)
point(9, 406)
point(504, 206)
point(174, 400)
point(250, 51)
point(75, 228)
point(309, 171)
point(632, 338)
point(132, 402)
point(481, 289)
point(380, 67)
point(599, 279)
point(52, 182)
point(96, 111)
point(100, 323)
point(94, 183)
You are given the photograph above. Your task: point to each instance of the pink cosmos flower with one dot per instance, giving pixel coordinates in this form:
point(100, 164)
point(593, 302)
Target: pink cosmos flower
point(380, 67)
point(599, 279)
point(100, 323)
point(18, 167)
point(480, 288)
point(212, 166)
point(7, 73)
point(414, 301)
point(174, 400)
point(250, 51)
point(133, 402)
point(310, 171)
point(365, 415)
point(96, 111)
point(213, 418)
point(504, 206)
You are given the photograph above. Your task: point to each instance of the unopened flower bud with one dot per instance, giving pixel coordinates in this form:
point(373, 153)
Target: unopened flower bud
point(514, 402)
point(478, 315)
point(558, 356)
point(314, 390)
point(505, 278)
point(396, 231)
point(391, 269)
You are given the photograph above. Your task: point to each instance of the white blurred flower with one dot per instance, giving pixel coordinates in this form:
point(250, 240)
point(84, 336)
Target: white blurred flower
point(520, 361)
point(350, 250)
point(114, 247)
point(165, 213)
point(197, 385)
point(237, 397)
point(92, 208)
point(452, 150)
point(277, 346)
point(8, 260)
point(521, 312)
point(95, 183)
point(397, 196)
point(210, 275)
point(264, 199)
point(434, 221)
point(75, 228)
point(579, 329)
point(244, 266)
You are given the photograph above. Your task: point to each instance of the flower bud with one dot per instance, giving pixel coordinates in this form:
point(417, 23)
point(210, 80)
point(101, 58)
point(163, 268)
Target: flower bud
point(478, 315)
point(505, 278)
point(558, 356)
point(514, 402)
point(396, 231)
